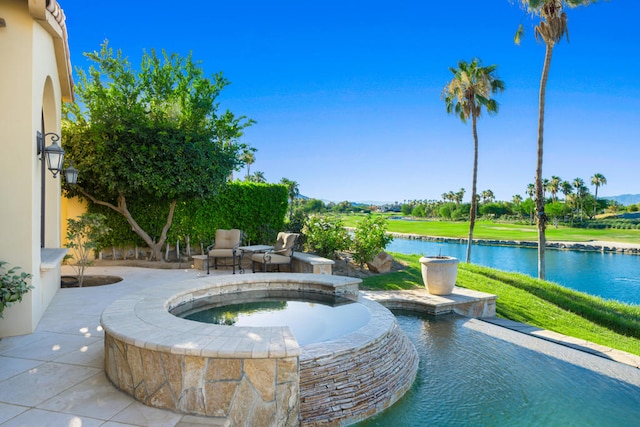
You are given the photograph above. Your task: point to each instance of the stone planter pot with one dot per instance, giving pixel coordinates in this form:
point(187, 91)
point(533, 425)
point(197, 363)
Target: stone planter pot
point(439, 274)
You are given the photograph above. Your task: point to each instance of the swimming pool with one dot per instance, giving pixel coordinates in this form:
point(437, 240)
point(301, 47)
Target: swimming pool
point(475, 373)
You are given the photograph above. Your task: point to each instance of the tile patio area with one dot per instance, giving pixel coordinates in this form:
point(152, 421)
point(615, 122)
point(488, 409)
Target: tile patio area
point(54, 377)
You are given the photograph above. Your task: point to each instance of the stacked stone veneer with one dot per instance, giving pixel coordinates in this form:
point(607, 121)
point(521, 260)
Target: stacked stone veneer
point(355, 377)
point(261, 376)
point(251, 376)
point(242, 390)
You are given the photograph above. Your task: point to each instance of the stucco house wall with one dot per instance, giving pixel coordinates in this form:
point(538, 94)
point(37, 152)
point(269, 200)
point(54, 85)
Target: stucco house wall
point(35, 78)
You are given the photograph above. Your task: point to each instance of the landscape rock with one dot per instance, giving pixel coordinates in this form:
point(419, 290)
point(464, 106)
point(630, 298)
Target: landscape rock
point(381, 263)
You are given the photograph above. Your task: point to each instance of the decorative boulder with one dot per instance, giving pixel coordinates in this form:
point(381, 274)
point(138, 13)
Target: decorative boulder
point(381, 263)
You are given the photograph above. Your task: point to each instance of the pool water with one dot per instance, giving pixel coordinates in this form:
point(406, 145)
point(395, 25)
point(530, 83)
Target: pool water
point(311, 318)
point(473, 373)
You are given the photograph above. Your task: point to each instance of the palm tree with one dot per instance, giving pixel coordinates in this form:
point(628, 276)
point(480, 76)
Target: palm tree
point(293, 191)
point(531, 191)
point(249, 158)
point(566, 188)
point(578, 184)
point(487, 196)
point(465, 95)
point(597, 179)
point(516, 200)
point(551, 29)
point(545, 186)
point(553, 186)
point(459, 196)
point(258, 176)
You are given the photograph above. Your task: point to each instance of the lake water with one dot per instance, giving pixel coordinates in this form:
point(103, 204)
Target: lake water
point(608, 275)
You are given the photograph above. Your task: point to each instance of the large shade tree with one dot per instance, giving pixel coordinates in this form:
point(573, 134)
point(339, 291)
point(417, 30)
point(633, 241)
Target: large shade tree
point(466, 95)
point(153, 135)
point(551, 29)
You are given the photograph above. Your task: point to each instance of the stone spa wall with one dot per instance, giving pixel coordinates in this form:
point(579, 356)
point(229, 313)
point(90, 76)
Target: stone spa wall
point(248, 375)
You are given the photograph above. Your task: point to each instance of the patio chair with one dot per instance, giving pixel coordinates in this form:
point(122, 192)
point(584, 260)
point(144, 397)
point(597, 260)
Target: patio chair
point(281, 254)
point(225, 245)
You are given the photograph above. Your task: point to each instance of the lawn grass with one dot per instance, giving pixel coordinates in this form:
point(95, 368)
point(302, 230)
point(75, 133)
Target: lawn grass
point(500, 231)
point(535, 302)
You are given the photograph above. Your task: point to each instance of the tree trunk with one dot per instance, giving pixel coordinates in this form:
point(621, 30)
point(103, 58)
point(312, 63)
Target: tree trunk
point(156, 247)
point(595, 204)
point(472, 211)
point(541, 217)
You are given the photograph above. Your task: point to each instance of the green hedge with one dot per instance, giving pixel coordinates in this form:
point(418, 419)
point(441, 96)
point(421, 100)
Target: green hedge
point(257, 209)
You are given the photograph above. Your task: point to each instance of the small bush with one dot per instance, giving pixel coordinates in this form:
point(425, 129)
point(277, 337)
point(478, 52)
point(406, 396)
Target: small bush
point(370, 238)
point(326, 236)
point(12, 286)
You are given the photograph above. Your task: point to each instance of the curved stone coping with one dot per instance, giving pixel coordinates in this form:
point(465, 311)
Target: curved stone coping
point(381, 321)
point(143, 319)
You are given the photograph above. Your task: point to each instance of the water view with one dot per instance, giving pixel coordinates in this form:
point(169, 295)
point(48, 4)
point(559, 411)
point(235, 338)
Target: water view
point(474, 374)
point(608, 275)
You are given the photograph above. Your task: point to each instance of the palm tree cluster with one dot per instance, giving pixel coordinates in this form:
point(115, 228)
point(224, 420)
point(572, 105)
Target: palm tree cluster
point(576, 193)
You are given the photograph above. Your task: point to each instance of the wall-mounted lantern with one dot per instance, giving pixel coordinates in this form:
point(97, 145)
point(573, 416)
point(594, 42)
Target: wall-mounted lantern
point(54, 154)
point(71, 175)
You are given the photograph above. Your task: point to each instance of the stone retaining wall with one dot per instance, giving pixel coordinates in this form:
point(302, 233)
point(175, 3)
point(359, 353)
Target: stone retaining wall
point(574, 246)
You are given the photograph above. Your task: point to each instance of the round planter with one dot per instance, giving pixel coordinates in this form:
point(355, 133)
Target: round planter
point(439, 274)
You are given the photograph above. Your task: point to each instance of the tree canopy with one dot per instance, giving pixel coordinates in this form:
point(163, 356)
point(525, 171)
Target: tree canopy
point(154, 134)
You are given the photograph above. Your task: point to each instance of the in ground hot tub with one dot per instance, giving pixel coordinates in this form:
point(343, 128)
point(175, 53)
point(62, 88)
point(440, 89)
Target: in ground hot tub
point(255, 375)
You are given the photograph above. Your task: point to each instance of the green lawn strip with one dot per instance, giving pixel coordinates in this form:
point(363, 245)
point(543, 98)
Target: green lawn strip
point(410, 278)
point(521, 306)
point(619, 317)
point(517, 300)
point(500, 231)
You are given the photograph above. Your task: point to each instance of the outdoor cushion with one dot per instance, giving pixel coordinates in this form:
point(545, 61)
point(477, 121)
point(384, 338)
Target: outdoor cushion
point(221, 253)
point(227, 239)
point(284, 243)
point(282, 252)
point(271, 258)
point(225, 245)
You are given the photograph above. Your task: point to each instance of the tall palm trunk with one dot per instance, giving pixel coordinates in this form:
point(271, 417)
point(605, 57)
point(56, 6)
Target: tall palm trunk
point(595, 203)
point(472, 211)
point(541, 217)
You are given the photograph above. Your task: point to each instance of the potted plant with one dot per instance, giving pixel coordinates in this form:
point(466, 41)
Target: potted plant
point(439, 274)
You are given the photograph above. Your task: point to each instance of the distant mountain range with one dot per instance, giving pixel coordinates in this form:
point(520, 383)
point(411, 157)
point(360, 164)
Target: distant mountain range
point(625, 199)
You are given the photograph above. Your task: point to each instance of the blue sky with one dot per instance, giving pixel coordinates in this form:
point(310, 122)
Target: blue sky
point(346, 94)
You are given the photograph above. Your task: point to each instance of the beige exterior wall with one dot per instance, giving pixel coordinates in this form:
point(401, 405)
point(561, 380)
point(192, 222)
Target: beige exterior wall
point(31, 91)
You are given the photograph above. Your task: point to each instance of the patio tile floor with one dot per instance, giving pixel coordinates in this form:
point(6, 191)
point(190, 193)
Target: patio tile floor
point(54, 377)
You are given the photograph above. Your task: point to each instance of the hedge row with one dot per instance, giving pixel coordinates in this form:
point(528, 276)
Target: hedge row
point(257, 209)
point(616, 223)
